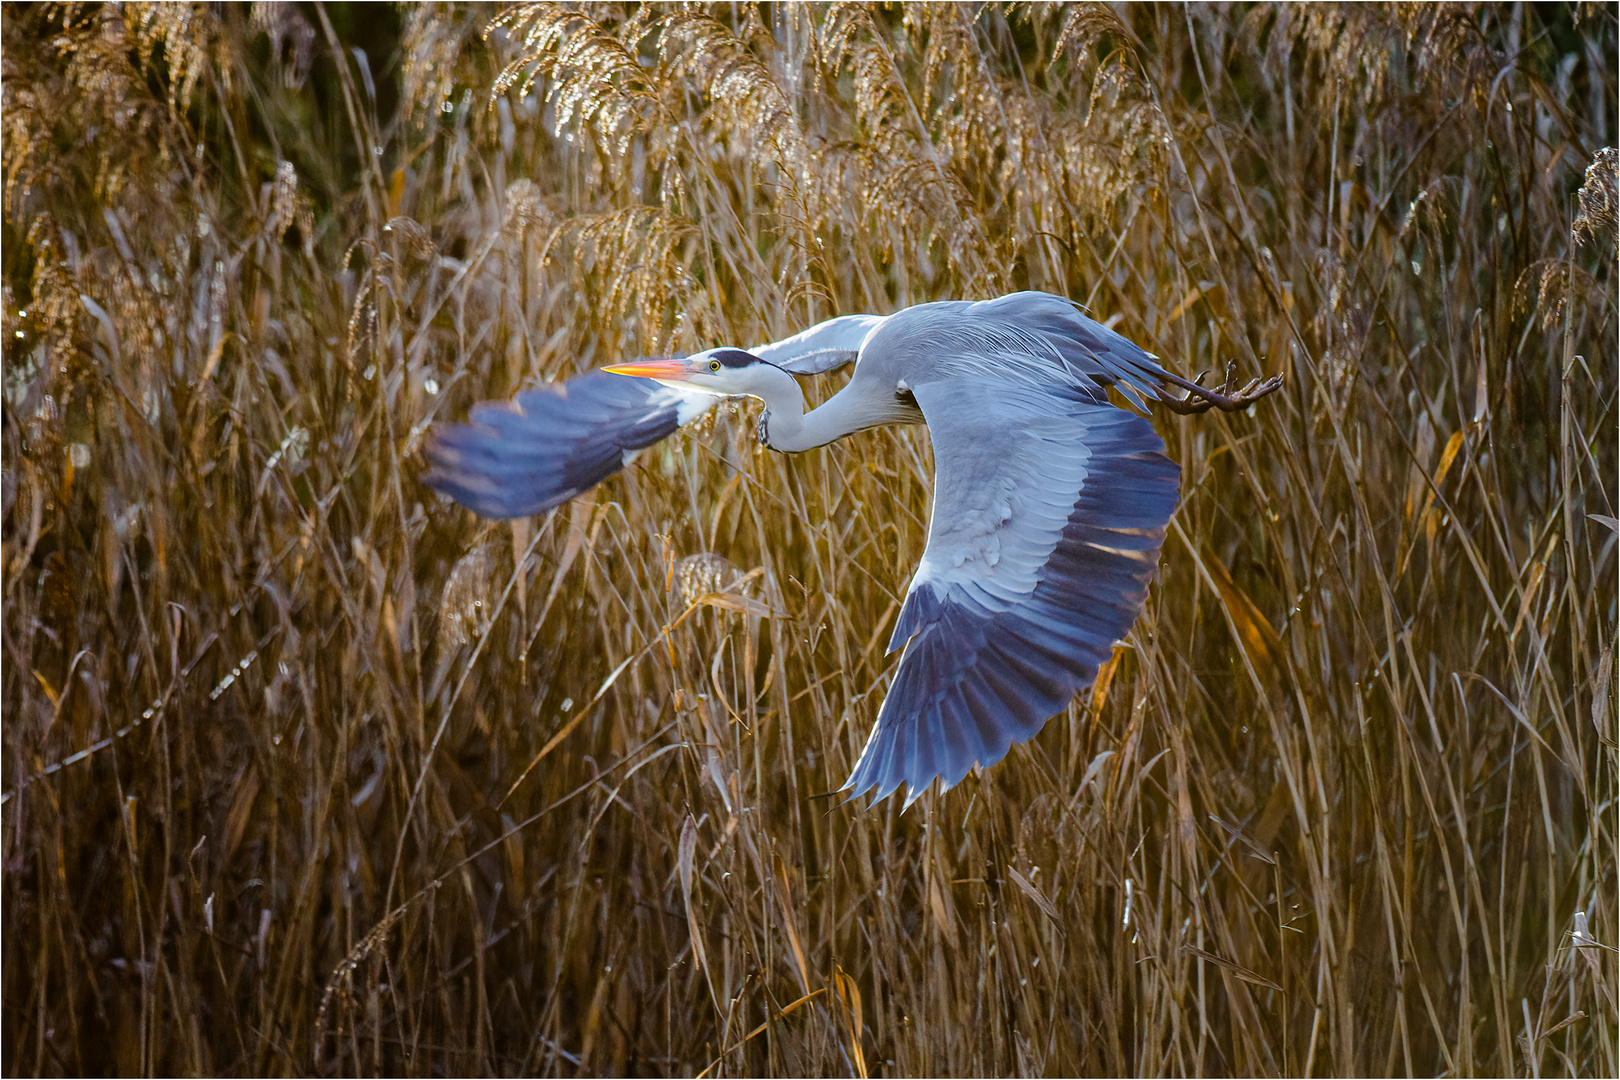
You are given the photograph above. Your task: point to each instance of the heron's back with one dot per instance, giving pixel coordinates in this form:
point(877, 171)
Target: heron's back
point(1023, 337)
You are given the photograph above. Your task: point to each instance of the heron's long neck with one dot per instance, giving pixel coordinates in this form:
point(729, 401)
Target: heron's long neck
point(788, 427)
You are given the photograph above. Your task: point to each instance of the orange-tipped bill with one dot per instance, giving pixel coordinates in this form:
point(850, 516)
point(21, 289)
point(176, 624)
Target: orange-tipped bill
point(670, 370)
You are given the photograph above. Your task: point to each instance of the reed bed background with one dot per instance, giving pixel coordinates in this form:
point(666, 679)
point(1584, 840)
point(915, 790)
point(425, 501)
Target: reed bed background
point(308, 770)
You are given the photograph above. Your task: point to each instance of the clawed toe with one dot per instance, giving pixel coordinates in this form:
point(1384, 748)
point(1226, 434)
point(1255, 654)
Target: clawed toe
point(1229, 398)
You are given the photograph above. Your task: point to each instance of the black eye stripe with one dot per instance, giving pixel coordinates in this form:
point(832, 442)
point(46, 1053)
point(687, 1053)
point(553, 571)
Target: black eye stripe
point(734, 358)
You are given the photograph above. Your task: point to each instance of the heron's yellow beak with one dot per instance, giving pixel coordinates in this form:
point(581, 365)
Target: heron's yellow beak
point(653, 369)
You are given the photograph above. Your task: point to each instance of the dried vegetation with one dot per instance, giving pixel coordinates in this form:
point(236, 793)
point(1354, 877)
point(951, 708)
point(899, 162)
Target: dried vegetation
point(307, 770)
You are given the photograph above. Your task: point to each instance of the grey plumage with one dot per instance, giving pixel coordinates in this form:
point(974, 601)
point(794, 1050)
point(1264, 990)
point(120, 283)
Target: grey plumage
point(554, 442)
point(1049, 506)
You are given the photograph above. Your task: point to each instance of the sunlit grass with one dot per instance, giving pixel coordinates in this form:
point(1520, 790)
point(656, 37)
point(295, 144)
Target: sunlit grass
point(309, 770)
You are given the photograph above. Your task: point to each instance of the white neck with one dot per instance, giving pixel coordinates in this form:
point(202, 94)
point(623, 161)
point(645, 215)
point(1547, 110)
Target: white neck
point(785, 425)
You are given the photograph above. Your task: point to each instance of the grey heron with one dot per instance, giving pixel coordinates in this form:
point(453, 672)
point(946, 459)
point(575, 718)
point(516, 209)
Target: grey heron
point(1049, 503)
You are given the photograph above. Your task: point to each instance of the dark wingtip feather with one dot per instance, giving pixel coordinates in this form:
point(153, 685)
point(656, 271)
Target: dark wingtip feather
point(552, 443)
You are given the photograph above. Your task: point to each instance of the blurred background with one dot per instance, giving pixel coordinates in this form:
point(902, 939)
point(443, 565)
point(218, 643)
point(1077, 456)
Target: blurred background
point(308, 770)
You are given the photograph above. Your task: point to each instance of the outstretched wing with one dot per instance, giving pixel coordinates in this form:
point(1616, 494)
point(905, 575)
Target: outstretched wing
point(1049, 509)
point(823, 347)
point(552, 443)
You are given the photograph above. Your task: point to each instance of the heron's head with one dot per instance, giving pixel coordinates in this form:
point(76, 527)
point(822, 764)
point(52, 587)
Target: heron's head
point(719, 371)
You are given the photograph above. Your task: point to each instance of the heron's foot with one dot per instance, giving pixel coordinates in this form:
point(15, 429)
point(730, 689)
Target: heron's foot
point(1229, 398)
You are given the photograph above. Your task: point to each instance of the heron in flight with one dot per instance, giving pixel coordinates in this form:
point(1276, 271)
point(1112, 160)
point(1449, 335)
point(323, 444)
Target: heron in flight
point(1049, 502)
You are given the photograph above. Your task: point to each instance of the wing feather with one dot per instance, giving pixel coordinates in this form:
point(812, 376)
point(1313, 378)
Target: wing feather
point(898, 751)
point(1049, 510)
point(963, 735)
point(826, 346)
point(554, 442)
point(1084, 344)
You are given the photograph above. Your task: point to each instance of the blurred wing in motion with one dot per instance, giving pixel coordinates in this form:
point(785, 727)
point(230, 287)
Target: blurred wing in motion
point(552, 443)
point(1049, 509)
point(826, 346)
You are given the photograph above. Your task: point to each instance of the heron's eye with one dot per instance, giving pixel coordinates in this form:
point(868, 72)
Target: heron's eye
point(714, 365)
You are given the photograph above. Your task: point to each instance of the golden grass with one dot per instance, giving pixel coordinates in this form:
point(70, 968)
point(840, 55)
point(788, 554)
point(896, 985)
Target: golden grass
point(307, 770)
